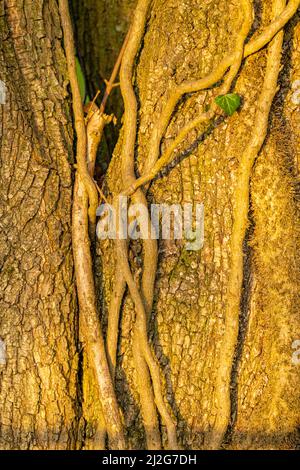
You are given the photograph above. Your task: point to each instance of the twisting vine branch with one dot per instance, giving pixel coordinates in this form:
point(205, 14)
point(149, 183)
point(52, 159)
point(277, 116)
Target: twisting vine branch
point(81, 148)
point(240, 221)
point(89, 132)
point(204, 117)
point(211, 79)
point(143, 300)
point(85, 204)
point(144, 361)
point(154, 165)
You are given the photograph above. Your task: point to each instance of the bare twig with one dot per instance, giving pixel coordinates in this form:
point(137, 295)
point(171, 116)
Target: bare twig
point(111, 83)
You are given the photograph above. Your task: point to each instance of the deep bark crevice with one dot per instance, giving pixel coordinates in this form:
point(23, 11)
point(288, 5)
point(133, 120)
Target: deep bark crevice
point(243, 325)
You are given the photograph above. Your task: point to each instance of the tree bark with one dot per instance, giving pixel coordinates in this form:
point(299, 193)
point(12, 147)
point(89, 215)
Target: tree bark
point(48, 397)
point(39, 391)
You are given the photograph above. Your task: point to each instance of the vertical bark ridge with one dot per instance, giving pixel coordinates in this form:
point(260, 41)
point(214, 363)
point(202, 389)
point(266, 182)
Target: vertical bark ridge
point(39, 395)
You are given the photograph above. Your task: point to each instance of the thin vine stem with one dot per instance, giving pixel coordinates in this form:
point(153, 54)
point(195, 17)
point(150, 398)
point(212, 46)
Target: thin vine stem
point(81, 147)
point(148, 408)
point(85, 202)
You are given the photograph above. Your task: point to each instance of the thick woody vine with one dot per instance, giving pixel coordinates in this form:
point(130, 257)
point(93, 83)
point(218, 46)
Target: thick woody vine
point(102, 355)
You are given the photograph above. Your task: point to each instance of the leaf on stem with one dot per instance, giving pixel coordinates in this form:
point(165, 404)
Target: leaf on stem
point(229, 103)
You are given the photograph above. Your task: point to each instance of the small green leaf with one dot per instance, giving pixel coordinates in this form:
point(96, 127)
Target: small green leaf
point(81, 80)
point(229, 103)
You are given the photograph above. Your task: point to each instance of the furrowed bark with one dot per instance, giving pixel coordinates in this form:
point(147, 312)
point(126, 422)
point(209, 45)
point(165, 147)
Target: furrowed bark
point(241, 202)
point(39, 392)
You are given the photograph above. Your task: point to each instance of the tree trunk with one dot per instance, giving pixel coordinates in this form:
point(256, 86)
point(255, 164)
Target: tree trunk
point(184, 41)
point(39, 394)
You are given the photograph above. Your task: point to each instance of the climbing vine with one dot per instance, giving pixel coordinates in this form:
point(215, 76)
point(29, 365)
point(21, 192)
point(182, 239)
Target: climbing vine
point(102, 354)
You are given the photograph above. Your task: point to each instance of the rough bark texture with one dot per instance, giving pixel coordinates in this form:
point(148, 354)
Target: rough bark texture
point(39, 393)
point(38, 379)
point(186, 40)
point(100, 28)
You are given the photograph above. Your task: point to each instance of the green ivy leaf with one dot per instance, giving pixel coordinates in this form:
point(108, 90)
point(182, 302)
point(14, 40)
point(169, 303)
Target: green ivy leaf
point(229, 103)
